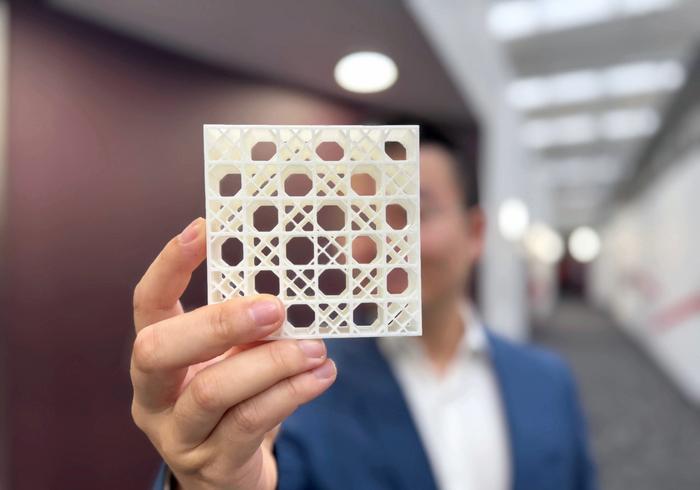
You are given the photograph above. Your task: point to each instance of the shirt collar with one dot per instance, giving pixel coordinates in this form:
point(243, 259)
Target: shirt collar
point(474, 343)
point(476, 339)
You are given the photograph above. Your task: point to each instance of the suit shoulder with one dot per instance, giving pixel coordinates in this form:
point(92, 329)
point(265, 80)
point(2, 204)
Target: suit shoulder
point(531, 358)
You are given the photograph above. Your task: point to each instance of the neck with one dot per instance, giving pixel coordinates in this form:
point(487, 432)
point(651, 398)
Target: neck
point(443, 328)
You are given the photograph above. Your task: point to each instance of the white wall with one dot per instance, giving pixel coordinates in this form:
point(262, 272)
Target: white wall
point(648, 274)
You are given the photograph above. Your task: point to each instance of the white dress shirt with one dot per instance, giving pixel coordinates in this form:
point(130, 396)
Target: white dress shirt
point(459, 415)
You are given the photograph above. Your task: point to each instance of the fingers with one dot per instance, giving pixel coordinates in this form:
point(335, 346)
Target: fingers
point(271, 437)
point(162, 351)
point(156, 296)
point(220, 386)
point(248, 422)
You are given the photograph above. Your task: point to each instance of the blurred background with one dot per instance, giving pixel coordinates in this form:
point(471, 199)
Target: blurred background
point(583, 117)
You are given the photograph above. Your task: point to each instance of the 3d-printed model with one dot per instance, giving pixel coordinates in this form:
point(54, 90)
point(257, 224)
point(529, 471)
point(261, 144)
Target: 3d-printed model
point(324, 217)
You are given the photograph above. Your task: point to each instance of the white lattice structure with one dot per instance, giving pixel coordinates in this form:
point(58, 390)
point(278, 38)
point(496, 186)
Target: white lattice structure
point(324, 217)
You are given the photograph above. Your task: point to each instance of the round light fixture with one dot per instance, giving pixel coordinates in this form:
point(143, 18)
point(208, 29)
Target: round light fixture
point(366, 72)
point(513, 219)
point(584, 244)
point(544, 243)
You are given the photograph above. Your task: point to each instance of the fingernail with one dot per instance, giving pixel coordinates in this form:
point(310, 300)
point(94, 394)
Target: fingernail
point(314, 349)
point(265, 312)
point(325, 370)
point(190, 233)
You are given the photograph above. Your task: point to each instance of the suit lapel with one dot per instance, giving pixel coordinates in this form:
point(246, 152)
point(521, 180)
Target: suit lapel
point(386, 412)
point(514, 396)
point(388, 418)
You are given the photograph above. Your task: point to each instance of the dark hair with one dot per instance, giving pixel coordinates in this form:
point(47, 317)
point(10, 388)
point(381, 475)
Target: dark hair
point(464, 153)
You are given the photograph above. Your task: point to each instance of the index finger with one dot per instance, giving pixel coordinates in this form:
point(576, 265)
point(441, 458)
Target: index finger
point(157, 295)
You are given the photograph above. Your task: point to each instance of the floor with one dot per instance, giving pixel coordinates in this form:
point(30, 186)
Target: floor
point(645, 435)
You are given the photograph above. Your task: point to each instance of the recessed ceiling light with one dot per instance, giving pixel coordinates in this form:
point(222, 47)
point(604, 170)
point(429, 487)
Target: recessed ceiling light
point(510, 20)
point(513, 218)
point(556, 14)
point(530, 93)
point(623, 80)
point(576, 129)
point(544, 243)
point(366, 72)
point(584, 244)
point(575, 87)
point(629, 123)
point(644, 77)
point(515, 19)
point(583, 128)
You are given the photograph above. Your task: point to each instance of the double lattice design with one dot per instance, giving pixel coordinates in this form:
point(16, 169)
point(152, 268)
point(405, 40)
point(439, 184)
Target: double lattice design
point(324, 217)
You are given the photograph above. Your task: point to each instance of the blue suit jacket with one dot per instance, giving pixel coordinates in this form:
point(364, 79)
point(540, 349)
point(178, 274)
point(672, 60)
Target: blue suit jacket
point(360, 434)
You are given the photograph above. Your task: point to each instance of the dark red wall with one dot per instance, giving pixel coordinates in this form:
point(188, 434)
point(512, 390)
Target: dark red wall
point(105, 164)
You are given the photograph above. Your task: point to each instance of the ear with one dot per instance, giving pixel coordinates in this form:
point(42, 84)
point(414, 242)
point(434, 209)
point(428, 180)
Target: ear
point(476, 231)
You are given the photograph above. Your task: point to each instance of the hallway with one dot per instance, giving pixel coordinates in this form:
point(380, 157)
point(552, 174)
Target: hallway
point(645, 435)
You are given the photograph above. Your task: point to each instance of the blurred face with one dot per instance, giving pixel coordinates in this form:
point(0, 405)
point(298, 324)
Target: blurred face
point(451, 236)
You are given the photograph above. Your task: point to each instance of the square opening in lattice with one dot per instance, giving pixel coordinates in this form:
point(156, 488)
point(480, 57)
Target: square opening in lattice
point(324, 217)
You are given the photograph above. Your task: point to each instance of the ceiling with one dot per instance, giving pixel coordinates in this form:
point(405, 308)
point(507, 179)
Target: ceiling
point(299, 42)
point(296, 42)
point(581, 175)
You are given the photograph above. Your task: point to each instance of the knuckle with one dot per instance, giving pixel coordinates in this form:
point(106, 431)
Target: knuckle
point(189, 464)
point(223, 320)
point(138, 416)
point(150, 424)
point(291, 388)
point(284, 355)
point(175, 458)
point(205, 392)
point(246, 416)
point(137, 300)
point(184, 459)
point(146, 349)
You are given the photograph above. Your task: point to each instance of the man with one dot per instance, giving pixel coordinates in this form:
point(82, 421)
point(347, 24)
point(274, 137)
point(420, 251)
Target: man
point(458, 407)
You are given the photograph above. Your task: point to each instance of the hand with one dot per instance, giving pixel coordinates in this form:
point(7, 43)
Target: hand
point(207, 392)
